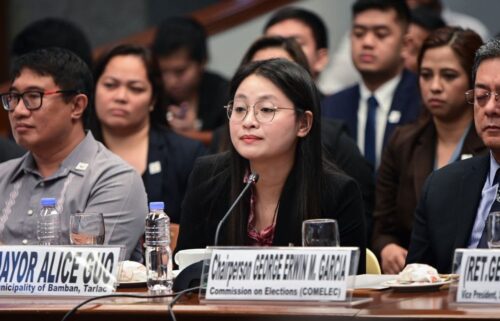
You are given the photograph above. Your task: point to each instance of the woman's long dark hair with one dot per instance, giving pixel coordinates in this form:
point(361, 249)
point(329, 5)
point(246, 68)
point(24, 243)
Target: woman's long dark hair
point(157, 118)
point(299, 87)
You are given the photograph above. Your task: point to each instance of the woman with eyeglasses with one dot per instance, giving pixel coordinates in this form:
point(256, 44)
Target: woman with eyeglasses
point(444, 135)
point(275, 131)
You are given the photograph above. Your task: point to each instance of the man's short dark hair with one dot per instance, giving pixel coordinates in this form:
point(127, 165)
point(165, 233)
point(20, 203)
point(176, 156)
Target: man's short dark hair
point(181, 33)
point(309, 18)
point(53, 32)
point(66, 68)
point(427, 19)
point(288, 45)
point(489, 50)
point(399, 6)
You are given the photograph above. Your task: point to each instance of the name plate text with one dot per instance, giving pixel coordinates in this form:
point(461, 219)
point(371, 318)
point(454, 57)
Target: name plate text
point(58, 270)
point(302, 274)
point(479, 276)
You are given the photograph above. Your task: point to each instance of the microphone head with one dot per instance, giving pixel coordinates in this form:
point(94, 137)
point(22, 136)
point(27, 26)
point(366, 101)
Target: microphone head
point(254, 177)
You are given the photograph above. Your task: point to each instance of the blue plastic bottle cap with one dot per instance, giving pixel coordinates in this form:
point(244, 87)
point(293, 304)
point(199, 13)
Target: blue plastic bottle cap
point(156, 206)
point(48, 201)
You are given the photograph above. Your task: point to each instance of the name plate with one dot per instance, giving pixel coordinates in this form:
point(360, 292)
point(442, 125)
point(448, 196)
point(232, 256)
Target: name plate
point(291, 273)
point(479, 271)
point(58, 270)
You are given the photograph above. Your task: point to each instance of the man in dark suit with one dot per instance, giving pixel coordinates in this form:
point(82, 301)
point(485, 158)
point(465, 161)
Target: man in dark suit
point(388, 95)
point(9, 150)
point(457, 199)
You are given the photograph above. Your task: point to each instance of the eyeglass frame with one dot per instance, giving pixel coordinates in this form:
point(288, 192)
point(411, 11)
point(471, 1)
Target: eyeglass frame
point(275, 108)
point(488, 93)
point(42, 94)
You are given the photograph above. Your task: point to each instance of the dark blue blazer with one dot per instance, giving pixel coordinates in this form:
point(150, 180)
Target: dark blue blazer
point(344, 105)
point(446, 212)
point(9, 150)
point(176, 156)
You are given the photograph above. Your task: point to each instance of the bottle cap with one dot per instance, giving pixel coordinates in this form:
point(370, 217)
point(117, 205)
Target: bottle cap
point(48, 201)
point(156, 206)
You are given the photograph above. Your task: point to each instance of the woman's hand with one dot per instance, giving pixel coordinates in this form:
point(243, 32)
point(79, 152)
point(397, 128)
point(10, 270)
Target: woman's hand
point(393, 258)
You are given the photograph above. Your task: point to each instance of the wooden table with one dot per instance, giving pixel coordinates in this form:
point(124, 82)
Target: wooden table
point(384, 305)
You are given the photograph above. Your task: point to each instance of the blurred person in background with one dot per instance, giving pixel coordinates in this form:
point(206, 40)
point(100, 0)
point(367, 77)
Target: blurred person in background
point(451, 17)
point(423, 22)
point(308, 29)
point(387, 95)
point(53, 32)
point(193, 96)
point(128, 119)
point(414, 151)
point(9, 150)
point(341, 72)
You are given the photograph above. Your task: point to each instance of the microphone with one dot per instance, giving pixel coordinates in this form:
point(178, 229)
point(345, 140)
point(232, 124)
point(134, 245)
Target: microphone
point(252, 179)
point(191, 275)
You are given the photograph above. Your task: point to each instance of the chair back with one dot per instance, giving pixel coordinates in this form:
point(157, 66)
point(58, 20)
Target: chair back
point(372, 265)
point(174, 233)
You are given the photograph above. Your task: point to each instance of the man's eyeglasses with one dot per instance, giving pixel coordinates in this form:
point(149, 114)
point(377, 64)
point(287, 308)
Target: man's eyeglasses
point(480, 96)
point(264, 111)
point(32, 99)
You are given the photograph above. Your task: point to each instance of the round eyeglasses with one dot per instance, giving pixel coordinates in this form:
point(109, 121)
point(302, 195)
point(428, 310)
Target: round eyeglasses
point(264, 112)
point(32, 99)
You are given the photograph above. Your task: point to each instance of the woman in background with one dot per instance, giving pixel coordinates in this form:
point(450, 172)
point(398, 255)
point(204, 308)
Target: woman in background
point(275, 131)
point(127, 120)
point(446, 135)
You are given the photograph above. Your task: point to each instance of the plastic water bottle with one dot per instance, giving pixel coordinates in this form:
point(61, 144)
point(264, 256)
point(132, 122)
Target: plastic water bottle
point(49, 223)
point(158, 253)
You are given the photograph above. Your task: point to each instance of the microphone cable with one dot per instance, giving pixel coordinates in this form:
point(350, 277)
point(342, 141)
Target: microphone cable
point(176, 296)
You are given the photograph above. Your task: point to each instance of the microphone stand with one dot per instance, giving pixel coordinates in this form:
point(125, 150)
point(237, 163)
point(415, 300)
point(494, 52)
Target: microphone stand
point(252, 179)
point(190, 276)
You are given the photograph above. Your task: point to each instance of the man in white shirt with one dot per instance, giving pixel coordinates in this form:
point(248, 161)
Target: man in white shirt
point(341, 72)
point(387, 95)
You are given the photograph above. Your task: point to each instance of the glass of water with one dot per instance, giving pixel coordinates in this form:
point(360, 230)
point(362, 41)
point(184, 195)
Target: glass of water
point(86, 229)
point(320, 232)
point(493, 230)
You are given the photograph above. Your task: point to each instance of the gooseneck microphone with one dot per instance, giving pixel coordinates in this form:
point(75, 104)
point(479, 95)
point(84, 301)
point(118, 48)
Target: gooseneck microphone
point(190, 276)
point(252, 179)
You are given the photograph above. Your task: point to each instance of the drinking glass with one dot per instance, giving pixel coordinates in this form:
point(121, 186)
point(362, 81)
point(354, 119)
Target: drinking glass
point(493, 230)
point(86, 228)
point(320, 232)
